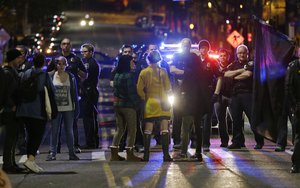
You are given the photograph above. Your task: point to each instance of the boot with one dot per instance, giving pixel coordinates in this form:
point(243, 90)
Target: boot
point(147, 141)
point(114, 154)
point(165, 147)
point(131, 156)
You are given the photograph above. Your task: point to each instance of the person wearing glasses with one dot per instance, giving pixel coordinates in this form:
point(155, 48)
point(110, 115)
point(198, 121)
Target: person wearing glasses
point(66, 96)
point(89, 97)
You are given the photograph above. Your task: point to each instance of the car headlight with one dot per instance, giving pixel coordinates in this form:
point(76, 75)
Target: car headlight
point(83, 23)
point(91, 22)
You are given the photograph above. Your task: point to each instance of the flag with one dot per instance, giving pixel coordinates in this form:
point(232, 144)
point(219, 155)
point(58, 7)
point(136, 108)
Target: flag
point(273, 52)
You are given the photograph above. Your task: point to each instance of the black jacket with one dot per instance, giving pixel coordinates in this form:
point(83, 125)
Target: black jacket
point(11, 84)
point(292, 84)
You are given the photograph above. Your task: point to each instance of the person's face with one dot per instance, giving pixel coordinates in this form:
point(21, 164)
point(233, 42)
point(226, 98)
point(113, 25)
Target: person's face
point(132, 64)
point(134, 57)
point(185, 46)
point(18, 61)
point(223, 58)
point(23, 52)
point(86, 53)
point(203, 50)
point(152, 47)
point(61, 65)
point(127, 51)
point(65, 45)
point(242, 54)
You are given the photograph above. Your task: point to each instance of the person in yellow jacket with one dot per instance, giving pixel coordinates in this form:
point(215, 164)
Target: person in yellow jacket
point(153, 87)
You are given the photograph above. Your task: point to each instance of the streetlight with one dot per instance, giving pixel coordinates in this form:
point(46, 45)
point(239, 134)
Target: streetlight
point(209, 4)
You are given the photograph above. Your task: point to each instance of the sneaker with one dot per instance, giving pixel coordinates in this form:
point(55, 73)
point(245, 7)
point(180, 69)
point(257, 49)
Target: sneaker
point(73, 158)
point(50, 157)
point(32, 166)
point(294, 169)
point(77, 150)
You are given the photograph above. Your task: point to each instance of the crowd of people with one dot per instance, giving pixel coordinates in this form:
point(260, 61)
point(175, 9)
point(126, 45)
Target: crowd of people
point(54, 96)
point(142, 83)
point(202, 86)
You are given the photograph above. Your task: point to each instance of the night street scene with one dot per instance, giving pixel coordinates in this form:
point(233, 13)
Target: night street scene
point(160, 93)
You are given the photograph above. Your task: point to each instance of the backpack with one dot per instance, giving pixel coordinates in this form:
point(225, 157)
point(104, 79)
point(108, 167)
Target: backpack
point(28, 89)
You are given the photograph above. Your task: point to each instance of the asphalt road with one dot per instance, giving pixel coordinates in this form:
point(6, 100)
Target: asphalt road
point(109, 32)
point(221, 168)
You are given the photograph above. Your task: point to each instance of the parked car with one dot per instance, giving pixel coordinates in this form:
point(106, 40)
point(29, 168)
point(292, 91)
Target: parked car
point(87, 21)
point(150, 21)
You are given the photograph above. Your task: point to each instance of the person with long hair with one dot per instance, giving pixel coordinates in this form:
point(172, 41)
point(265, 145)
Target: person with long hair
point(153, 87)
point(126, 103)
point(66, 96)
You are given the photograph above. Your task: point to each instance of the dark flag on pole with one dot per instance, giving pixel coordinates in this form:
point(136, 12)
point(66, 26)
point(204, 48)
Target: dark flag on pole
point(273, 52)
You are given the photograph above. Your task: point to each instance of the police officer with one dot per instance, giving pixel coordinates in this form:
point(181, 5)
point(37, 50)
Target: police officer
point(213, 78)
point(90, 97)
point(240, 71)
point(293, 92)
point(223, 101)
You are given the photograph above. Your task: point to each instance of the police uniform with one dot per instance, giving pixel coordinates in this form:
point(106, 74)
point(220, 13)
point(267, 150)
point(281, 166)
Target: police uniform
point(293, 91)
point(211, 74)
point(242, 102)
point(220, 106)
point(89, 103)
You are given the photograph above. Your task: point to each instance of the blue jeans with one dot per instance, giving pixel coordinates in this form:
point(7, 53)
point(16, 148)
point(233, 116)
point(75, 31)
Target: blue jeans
point(67, 117)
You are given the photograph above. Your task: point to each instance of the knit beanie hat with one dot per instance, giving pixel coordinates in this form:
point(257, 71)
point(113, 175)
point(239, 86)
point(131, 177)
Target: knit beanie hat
point(12, 55)
point(204, 43)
